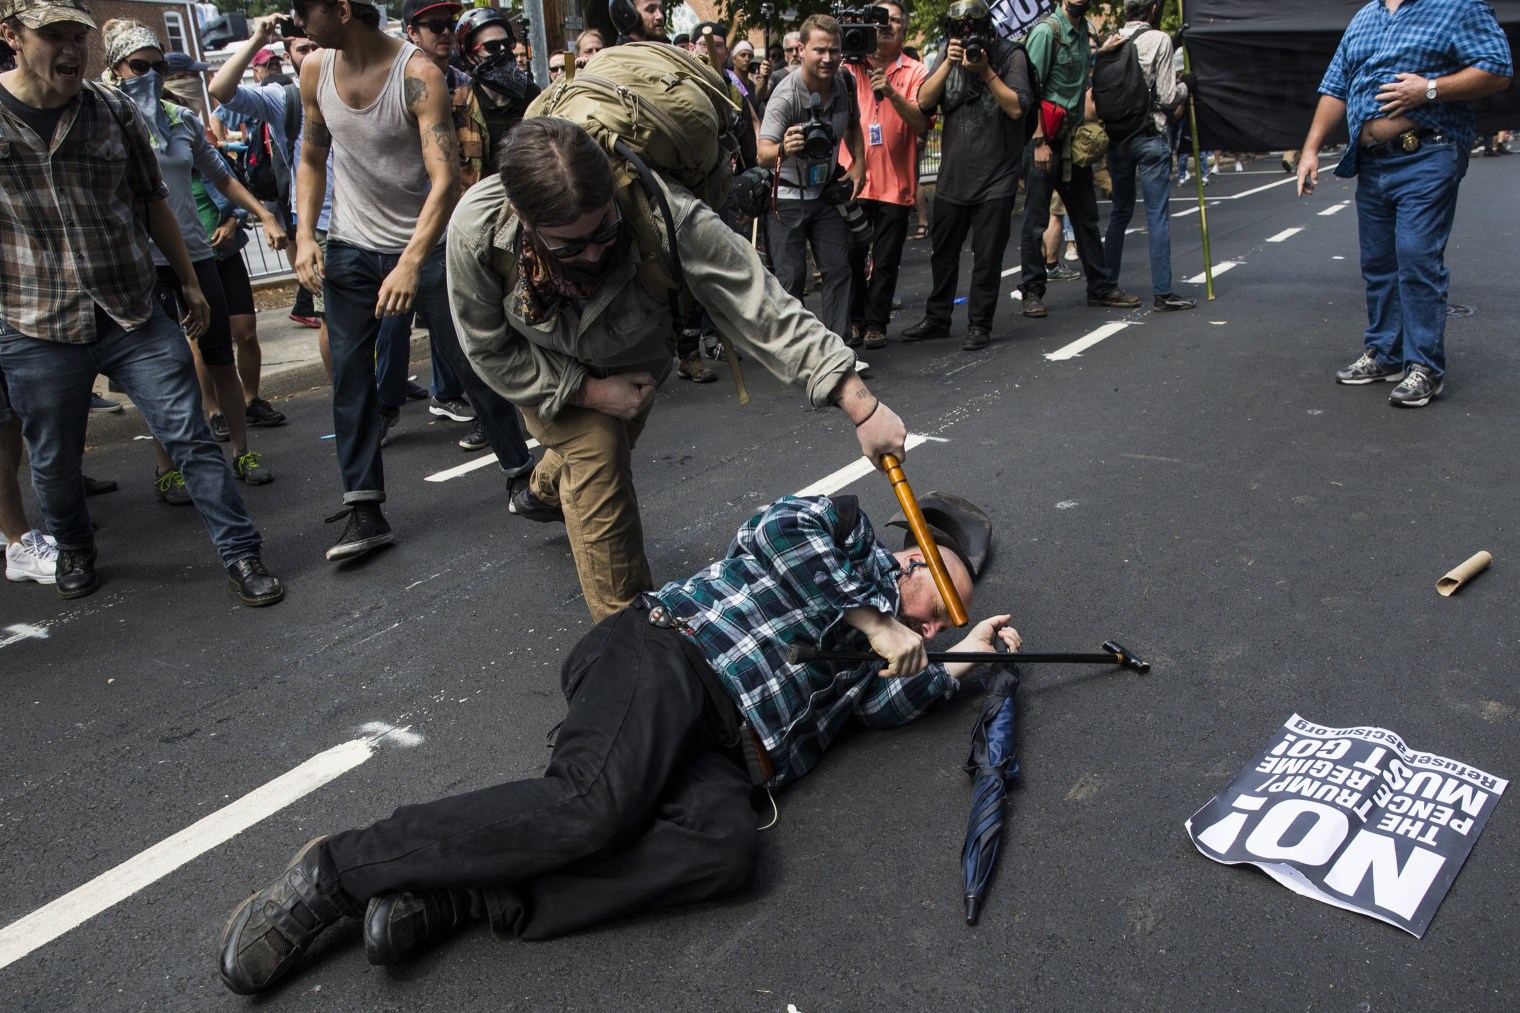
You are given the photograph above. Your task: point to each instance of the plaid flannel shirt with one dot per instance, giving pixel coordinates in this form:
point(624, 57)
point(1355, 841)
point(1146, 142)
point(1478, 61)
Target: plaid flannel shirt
point(788, 578)
point(1431, 38)
point(73, 227)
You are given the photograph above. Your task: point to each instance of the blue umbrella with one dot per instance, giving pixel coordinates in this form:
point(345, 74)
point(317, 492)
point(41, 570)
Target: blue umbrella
point(991, 764)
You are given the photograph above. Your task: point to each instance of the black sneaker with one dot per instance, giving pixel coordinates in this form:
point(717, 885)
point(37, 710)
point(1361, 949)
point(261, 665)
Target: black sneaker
point(1368, 370)
point(397, 925)
point(925, 330)
point(1033, 307)
point(261, 413)
point(255, 585)
point(219, 431)
point(456, 408)
point(529, 507)
point(476, 440)
point(416, 392)
point(1170, 302)
point(270, 931)
point(99, 486)
point(1416, 390)
point(977, 338)
point(1114, 299)
point(365, 531)
point(389, 419)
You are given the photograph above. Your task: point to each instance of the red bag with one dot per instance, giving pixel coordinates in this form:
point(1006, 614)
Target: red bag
point(1052, 119)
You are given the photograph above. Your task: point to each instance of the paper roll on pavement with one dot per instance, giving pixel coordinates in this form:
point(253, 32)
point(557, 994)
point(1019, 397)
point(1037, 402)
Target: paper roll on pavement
point(1474, 565)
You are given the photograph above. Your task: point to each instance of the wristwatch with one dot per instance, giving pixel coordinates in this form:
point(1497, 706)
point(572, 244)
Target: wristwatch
point(1430, 89)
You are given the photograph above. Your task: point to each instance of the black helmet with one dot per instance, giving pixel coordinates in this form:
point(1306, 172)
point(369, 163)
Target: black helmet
point(476, 18)
point(625, 16)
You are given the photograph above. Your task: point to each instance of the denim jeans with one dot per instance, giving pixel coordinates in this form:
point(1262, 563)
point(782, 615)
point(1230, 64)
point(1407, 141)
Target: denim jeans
point(50, 385)
point(353, 280)
point(1147, 155)
point(393, 357)
point(1405, 204)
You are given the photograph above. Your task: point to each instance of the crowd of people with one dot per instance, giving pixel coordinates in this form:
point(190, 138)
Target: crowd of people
point(361, 157)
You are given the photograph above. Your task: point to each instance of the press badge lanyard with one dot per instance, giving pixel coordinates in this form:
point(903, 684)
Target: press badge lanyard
point(874, 129)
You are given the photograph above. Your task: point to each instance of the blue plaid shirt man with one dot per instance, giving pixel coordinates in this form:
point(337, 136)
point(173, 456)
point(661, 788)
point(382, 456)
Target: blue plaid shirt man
point(1431, 38)
point(789, 576)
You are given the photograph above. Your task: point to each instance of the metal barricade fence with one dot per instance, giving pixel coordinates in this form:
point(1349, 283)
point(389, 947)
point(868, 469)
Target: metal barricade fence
point(263, 263)
point(928, 158)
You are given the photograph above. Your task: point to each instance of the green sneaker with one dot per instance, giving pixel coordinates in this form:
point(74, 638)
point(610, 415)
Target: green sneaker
point(170, 487)
point(249, 467)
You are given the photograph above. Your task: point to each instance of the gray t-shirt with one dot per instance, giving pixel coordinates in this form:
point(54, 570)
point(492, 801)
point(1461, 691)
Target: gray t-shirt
point(802, 178)
point(982, 149)
point(188, 152)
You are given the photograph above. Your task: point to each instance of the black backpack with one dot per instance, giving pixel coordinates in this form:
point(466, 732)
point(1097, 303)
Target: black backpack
point(269, 173)
point(1123, 100)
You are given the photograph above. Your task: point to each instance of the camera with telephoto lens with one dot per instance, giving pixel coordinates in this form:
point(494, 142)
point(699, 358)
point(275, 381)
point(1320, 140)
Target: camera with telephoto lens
point(838, 193)
point(970, 21)
point(857, 31)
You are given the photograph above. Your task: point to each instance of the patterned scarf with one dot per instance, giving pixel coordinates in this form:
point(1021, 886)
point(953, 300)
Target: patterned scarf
point(540, 288)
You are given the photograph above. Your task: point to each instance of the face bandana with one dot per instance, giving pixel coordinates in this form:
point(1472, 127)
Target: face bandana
point(147, 93)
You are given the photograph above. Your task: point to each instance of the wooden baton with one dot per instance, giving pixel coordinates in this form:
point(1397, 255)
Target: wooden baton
point(920, 529)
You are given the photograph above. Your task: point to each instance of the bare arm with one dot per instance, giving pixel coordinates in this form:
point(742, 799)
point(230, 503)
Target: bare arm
point(1007, 99)
point(427, 99)
point(933, 89)
point(311, 178)
point(225, 84)
point(906, 107)
point(1327, 114)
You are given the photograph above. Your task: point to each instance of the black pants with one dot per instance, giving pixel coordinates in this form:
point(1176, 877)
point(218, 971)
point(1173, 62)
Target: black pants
point(871, 298)
point(989, 224)
point(1081, 211)
point(641, 806)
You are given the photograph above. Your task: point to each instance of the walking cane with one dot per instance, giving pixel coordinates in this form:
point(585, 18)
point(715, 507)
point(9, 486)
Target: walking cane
point(1113, 653)
point(729, 352)
point(920, 529)
point(1203, 213)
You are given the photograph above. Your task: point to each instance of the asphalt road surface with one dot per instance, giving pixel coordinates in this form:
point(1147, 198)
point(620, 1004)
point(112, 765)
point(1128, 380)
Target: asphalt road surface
point(1193, 484)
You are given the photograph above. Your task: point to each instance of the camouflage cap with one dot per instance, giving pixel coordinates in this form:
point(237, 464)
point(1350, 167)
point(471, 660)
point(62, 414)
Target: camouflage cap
point(40, 13)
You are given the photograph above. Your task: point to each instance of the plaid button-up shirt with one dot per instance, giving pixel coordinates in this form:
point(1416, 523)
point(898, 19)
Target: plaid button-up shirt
point(73, 226)
point(788, 578)
point(1431, 38)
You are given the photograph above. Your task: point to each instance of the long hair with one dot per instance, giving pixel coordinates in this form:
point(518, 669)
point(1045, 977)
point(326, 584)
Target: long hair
point(553, 171)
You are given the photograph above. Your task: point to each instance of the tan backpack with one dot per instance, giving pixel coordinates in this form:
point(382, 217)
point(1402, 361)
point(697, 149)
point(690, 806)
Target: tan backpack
point(653, 108)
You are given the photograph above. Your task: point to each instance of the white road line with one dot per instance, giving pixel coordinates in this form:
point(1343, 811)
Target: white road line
point(1085, 342)
point(465, 469)
point(1333, 208)
point(1219, 268)
point(1012, 271)
point(832, 483)
point(110, 888)
point(1284, 234)
point(1248, 193)
point(23, 631)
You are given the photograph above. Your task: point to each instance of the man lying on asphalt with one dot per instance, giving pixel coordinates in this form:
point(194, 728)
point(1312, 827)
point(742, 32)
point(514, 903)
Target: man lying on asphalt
point(677, 706)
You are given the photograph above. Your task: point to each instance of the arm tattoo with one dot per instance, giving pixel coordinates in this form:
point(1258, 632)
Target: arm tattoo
point(317, 135)
point(446, 140)
point(415, 92)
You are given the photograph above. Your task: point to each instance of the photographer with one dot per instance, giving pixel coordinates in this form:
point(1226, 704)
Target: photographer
point(886, 92)
point(981, 84)
point(804, 121)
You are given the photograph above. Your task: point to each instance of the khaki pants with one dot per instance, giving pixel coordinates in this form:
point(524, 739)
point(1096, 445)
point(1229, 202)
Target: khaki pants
point(587, 470)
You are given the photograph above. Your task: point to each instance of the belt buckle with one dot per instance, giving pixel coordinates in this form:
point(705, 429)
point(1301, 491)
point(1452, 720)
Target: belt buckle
point(1409, 142)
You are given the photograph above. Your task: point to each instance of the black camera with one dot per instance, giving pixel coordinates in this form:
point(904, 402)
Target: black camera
point(857, 31)
point(818, 140)
point(290, 30)
point(970, 21)
point(838, 193)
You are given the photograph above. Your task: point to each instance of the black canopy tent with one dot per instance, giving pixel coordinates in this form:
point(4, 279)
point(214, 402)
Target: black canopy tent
point(1259, 66)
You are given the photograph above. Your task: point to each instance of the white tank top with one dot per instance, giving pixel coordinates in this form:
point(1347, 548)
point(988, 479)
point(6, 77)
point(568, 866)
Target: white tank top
point(380, 181)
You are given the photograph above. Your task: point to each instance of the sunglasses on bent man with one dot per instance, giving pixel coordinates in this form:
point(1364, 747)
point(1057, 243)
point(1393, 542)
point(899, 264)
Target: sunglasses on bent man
point(602, 236)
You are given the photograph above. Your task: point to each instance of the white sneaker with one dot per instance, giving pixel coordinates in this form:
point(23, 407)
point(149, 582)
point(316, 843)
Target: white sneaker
point(35, 557)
